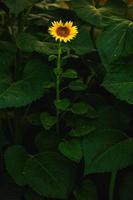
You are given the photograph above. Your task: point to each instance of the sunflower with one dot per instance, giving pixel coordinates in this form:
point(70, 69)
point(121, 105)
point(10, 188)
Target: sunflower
point(63, 31)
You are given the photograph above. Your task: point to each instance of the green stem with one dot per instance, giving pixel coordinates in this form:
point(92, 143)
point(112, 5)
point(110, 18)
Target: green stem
point(112, 185)
point(58, 86)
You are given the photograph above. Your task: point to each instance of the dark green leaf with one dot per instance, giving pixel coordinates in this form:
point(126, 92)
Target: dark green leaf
point(15, 159)
point(80, 108)
point(35, 45)
point(70, 73)
point(116, 41)
point(107, 150)
point(26, 90)
point(62, 104)
point(77, 85)
point(119, 81)
point(50, 175)
point(71, 149)
point(47, 120)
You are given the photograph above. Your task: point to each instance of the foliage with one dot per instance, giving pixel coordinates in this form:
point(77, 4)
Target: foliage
point(66, 109)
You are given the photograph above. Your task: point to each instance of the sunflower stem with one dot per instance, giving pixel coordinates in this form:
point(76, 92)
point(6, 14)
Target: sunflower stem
point(112, 185)
point(58, 74)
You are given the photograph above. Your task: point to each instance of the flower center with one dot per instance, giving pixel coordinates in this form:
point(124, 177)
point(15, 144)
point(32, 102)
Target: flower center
point(62, 31)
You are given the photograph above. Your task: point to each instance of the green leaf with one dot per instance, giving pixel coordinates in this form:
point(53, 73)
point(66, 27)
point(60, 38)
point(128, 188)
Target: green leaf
point(86, 190)
point(83, 43)
point(15, 159)
point(26, 90)
point(35, 45)
point(17, 6)
point(119, 81)
point(80, 108)
point(70, 73)
point(77, 85)
point(47, 141)
point(89, 13)
point(106, 151)
point(62, 104)
point(82, 127)
point(50, 175)
point(116, 41)
point(71, 149)
point(47, 120)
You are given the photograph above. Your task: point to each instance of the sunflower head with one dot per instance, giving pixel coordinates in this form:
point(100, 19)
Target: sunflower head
point(63, 31)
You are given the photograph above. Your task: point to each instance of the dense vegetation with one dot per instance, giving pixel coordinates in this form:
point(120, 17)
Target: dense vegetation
point(78, 146)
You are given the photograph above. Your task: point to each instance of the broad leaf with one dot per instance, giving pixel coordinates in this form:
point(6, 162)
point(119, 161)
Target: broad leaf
point(35, 45)
point(26, 90)
point(106, 151)
point(50, 175)
point(116, 41)
point(119, 81)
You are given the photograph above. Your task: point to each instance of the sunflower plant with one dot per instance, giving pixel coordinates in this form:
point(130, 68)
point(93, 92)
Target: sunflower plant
point(66, 95)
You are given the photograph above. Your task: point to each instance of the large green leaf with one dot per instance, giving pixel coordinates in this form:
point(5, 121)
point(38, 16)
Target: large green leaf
point(35, 45)
point(106, 151)
point(28, 89)
point(89, 13)
point(17, 6)
point(119, 81)
point(50, 175)
point(15, 159)
point(116, 41)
